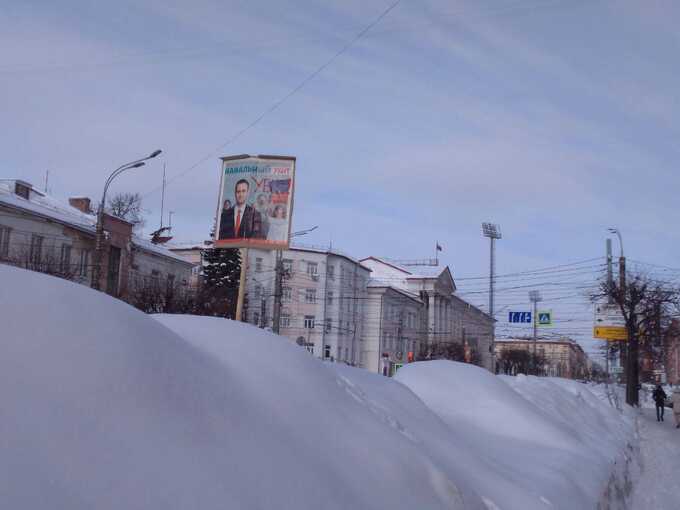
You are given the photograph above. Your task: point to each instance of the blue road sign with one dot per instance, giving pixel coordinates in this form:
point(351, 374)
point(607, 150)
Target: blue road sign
point(545, 318)
point(519, 317)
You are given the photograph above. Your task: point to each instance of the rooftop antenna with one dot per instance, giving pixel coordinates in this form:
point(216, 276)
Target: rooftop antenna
point(163, 195)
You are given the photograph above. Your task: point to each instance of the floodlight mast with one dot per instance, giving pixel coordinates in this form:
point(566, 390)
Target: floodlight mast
point(493, 232)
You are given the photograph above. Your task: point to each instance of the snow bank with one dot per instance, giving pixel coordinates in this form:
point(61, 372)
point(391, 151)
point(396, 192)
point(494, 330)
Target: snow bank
point(550, 443)
point(104, 407)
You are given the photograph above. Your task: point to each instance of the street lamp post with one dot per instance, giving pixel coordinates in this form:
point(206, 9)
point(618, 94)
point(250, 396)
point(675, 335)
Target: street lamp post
point(99, 233)
point(493, 232)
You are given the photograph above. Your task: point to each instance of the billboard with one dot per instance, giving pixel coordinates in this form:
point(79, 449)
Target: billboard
point(255, 202)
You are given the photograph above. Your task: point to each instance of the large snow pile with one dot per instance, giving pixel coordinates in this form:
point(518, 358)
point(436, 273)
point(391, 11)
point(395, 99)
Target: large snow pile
point(527, 442)
point(105, 407)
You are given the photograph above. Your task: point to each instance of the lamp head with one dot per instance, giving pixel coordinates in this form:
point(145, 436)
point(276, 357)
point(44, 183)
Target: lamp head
point(155, 153)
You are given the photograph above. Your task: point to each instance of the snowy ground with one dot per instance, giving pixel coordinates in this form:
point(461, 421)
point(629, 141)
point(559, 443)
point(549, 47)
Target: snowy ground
point(105, 407)
point(658, 486)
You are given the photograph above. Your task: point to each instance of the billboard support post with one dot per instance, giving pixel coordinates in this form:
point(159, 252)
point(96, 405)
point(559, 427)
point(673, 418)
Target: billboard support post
point(241, 285)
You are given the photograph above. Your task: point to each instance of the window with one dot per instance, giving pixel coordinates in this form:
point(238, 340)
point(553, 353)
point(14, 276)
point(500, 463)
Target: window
point(329, 325)
point(330, 297)
point(258, 265)
point(285, 320)
point(312, 269)
point(309, 322)
point(339, 354)
point(310, 295)
point(84, 262)
point(327, 351)
point(346, 354)
point(331, 272)
point(65, 259)
point(4, 241)
point(169, 284)
point(256, 318)
point(36, 248)
point(258, 291)
point(155, 278)
point(287, 268)
point(286, 294)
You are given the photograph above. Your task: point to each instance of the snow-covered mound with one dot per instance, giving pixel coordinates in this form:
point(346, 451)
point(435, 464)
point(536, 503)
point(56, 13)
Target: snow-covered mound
point(104, 407)
point(535, 442)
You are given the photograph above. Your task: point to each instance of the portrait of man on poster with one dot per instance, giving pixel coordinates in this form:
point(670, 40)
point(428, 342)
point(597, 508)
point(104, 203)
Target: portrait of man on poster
point(241, 221)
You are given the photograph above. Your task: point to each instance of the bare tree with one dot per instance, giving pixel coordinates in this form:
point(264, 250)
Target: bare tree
point(127, 206)
point(647, 306)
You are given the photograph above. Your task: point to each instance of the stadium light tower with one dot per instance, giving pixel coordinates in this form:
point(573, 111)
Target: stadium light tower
point(493, 232)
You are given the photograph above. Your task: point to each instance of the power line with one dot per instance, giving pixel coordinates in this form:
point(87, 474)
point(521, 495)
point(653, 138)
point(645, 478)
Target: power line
point(278, 103)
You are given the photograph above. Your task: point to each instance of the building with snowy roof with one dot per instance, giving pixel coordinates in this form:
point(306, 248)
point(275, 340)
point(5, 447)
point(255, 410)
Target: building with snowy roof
point(443, 317)
point(43, 233)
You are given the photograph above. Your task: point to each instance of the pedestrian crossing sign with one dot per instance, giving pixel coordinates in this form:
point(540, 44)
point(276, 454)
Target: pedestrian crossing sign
point(544, 318)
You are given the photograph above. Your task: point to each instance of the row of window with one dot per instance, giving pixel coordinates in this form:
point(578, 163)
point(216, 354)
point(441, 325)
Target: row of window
point(311, 268)
point(395, 313)
point(36, 253)
point(394, 343)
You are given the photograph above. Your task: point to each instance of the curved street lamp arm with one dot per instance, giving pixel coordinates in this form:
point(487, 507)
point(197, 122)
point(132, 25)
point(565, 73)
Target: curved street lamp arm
point(122, 168)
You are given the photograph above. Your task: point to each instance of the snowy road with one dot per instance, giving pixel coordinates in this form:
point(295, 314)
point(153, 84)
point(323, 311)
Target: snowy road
point(658, 487)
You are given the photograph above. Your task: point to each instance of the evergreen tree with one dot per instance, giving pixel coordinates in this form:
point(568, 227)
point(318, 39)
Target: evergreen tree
point(220, 280)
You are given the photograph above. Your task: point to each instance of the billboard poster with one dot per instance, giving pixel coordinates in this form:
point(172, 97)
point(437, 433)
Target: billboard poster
point(255, 202)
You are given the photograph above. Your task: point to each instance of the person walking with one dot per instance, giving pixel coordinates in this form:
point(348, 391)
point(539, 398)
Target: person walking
point(659, 397)
point(676, 407)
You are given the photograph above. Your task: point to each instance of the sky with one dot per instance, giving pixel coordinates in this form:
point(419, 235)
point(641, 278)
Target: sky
point(554, 119)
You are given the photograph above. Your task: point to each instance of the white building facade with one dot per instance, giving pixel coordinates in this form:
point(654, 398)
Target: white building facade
point(443, 316)
point(322, 300)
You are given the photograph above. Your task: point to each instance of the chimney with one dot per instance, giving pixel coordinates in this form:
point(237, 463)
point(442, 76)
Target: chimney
point(80, 203)
point(22, 189)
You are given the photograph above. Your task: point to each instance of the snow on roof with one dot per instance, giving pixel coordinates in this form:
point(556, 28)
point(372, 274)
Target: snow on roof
point(426, 271)
point(188, 245)
point(46, 205)
point(327, 251)
point(157, 249)
point(55, 209)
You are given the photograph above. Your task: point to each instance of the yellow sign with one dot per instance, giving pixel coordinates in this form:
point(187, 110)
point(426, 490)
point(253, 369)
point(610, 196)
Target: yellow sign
point(610, 332)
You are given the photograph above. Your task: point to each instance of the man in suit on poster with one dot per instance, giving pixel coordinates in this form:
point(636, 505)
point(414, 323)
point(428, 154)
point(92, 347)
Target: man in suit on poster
point(241, 221)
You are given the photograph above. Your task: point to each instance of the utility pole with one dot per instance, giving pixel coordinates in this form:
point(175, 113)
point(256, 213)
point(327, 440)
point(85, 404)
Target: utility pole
point(610, 300)
point(535, 297)
point(493, 232)
point(276, 314)
point(278, 278)
point(631, 364)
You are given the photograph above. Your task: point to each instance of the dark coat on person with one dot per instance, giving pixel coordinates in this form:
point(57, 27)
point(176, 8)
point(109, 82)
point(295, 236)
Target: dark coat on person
point(659, 396)
point(250, 228)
